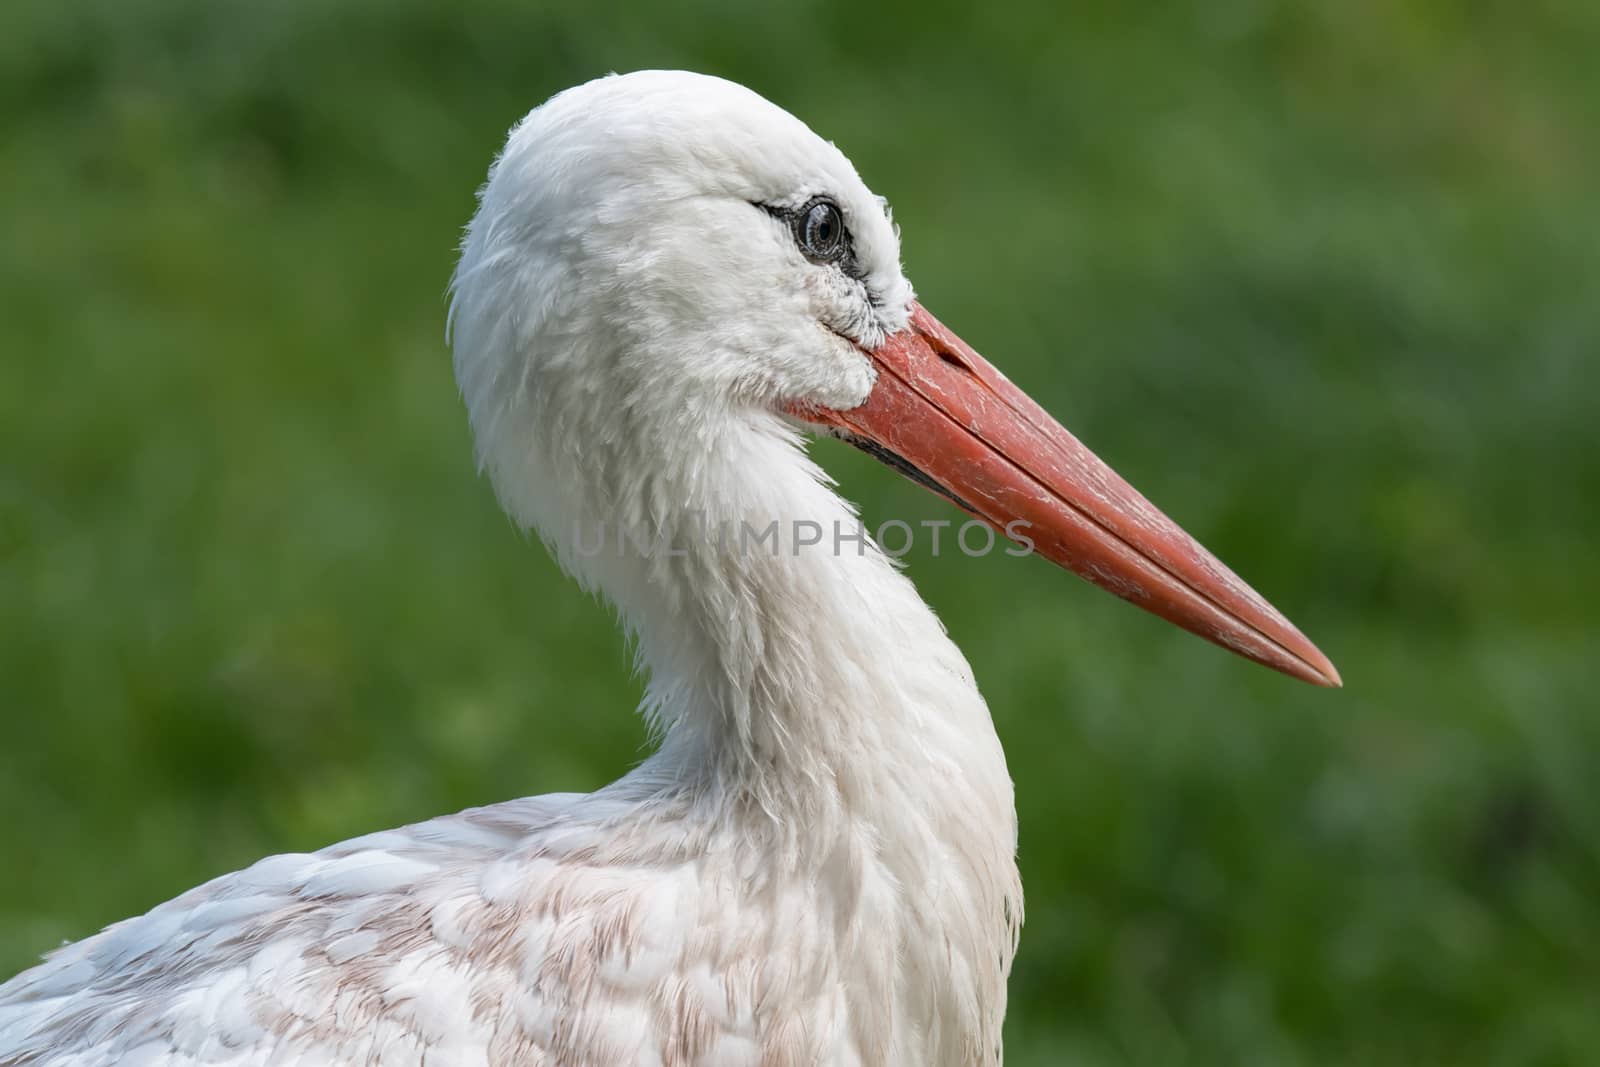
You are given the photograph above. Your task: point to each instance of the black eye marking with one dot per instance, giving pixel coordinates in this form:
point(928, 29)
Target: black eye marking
point(820, 233)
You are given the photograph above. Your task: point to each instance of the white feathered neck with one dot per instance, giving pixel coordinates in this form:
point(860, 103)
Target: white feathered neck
point(806, 697)
point(626, 317)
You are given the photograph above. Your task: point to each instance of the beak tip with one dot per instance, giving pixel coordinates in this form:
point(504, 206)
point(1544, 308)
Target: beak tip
point(1321, 670)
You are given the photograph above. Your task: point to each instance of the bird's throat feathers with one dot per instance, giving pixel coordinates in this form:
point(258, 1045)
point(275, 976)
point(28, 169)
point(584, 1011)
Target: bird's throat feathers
point(783, 650)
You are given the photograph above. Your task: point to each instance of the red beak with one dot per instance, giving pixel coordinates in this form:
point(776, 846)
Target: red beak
point(946, 416)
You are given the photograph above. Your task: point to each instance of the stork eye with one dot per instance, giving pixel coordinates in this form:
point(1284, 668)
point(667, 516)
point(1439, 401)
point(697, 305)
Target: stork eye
point(819, 230)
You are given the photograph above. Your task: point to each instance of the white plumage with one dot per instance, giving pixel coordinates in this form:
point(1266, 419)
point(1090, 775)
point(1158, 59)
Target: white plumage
point(816, 867)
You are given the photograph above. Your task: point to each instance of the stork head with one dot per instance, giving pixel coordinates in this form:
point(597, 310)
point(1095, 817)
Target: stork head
point(657, 256)
point(701, 246)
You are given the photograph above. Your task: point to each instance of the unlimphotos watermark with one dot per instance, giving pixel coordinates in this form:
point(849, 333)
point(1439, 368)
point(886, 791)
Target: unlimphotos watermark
point(779, 537)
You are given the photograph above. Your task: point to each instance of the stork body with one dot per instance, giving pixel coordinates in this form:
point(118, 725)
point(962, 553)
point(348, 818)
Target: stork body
point(667, 280)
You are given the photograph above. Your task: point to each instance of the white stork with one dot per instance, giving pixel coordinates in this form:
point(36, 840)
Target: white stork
point(667, 282)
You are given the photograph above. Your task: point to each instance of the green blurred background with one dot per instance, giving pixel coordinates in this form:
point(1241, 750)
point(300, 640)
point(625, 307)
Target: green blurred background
point(1321, 279)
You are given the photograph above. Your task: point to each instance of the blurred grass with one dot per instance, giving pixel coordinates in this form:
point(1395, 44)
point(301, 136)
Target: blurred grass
point(1321, 279)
